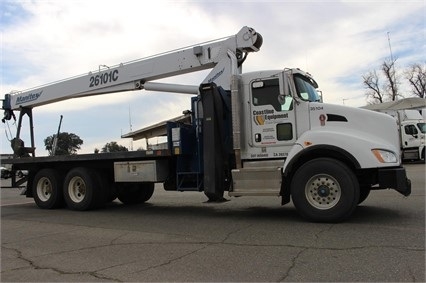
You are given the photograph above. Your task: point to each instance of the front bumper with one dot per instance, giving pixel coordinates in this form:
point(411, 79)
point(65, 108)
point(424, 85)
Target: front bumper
point(394, 178)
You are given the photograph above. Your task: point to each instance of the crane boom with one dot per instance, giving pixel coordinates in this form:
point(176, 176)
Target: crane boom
point(132, 76)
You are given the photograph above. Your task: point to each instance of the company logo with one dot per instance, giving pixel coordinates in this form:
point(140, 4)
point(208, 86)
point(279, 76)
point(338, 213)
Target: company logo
point(28, 97)
point(216, 76)
point(264, 116)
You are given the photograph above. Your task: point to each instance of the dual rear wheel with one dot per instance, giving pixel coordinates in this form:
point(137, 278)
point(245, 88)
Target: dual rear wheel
point(83, 189)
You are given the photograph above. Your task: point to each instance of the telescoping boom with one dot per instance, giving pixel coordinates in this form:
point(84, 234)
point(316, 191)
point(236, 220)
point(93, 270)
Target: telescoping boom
point(134, 75)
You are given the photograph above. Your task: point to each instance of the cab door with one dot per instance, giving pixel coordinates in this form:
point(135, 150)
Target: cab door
point(273, 128)
point(410, 136)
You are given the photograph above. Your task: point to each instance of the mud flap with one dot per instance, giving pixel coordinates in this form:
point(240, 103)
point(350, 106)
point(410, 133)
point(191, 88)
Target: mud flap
point(213, 151)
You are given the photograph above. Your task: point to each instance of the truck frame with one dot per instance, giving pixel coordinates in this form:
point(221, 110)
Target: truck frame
point(263, 133)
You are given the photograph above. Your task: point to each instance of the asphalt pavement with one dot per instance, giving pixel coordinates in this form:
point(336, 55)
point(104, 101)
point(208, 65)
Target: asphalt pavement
point(180, 237)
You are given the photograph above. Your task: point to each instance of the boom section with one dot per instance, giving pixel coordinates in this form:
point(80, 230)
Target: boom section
point(132, 75)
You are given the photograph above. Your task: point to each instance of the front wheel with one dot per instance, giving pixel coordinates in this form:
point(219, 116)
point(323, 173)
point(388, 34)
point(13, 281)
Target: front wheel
point(325, 190)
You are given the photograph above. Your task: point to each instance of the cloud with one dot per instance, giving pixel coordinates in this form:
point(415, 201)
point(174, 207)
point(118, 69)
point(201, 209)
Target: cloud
point(336, 41)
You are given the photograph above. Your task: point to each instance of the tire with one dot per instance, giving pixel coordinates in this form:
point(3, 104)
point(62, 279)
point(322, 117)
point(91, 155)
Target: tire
point(325, 190)
point(83, 189)
point(47, 189)
point(135, 193)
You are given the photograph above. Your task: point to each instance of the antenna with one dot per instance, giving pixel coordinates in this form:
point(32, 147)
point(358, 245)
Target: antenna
point(390, 47)
point(393, 62)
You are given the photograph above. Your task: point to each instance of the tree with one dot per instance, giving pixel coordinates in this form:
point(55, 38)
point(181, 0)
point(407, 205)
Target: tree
point(67, 144)
point(113, 147)
point(372, 84)
point(392, 81)
point(377, 93)
point(416, 76)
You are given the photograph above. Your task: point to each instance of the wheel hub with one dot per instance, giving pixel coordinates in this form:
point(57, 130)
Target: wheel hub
point(323, 191)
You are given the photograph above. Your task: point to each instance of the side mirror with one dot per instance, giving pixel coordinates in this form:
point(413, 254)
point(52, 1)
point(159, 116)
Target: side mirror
point(320, 96)
point(284, 86)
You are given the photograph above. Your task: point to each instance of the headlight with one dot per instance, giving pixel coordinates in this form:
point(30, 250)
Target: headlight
point(385, 156)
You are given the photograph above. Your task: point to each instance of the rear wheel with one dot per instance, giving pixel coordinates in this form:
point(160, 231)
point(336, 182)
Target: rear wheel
point(325, 190)
point(83, 190)
point(134, 193)
point(47, 189)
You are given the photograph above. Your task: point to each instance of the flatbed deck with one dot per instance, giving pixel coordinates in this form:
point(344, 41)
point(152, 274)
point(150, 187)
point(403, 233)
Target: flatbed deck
point(25, 162)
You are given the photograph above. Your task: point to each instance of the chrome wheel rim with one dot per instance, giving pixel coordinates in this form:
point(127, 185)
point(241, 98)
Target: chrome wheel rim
point(322, 191)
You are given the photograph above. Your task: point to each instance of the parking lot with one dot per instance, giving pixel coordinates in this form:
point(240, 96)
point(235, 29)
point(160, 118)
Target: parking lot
point(179, 237)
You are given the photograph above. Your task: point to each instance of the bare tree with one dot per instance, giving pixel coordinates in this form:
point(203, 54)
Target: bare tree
point(371, 82)
point(392, 81)
point(388, 91)
point(416, 76)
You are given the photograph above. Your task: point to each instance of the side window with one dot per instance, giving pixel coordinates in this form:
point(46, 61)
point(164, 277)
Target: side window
point(267, 93)
point(410, 130)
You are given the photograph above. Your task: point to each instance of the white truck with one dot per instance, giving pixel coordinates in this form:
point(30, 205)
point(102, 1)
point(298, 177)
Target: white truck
point(412, 131)
point(263, 133)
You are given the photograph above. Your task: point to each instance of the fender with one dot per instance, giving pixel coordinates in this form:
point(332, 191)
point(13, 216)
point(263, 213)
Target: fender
point(317, 151)
point(355, 146)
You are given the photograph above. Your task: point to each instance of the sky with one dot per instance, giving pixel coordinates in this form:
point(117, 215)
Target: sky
point(338, 42)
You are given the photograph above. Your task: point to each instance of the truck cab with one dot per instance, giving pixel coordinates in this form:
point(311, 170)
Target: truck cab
point(288, 134)
point(413, 139)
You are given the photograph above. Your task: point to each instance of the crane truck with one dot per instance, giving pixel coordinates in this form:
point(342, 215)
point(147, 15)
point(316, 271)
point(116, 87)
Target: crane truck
point(262, 133)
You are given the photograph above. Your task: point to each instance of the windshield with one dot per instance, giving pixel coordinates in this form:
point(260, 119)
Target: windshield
point(422, 127)
point(306, 88)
